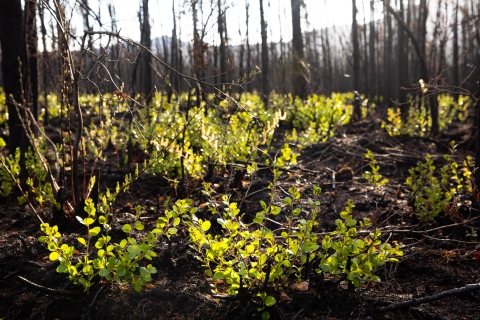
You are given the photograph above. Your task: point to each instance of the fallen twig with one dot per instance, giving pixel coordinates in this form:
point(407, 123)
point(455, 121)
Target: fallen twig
point(44, 289)
point(416, 302)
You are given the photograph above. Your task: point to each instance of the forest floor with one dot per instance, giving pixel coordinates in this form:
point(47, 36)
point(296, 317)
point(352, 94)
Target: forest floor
point(433, 262)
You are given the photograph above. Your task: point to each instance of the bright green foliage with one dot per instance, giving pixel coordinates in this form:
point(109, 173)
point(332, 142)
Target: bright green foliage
point(344, 251)
point(36, 176)
point(12, 163)
point(316, 119)
point(374, 176)
point(286, 157)
point(252, 252)
point(3, 108)
point(430, 192)
point(119, 262)
point(419, 120)
point(427, 192)
point(181, 143)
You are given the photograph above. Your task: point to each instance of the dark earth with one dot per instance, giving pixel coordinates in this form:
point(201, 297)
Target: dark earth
point(433, 262)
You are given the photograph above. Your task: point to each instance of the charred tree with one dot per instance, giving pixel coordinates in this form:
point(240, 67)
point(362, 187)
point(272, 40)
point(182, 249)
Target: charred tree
point(44, 60)
point(402, 65)
point(371, 50)
point(299, 82)
point(388, 55)
point(145, 58)
point(31, 41)
point(356, 60)
point(222, 49)
point(456, 59)
point(13, 67)
point(249, 56)
point(174, 57)
point(263, 27)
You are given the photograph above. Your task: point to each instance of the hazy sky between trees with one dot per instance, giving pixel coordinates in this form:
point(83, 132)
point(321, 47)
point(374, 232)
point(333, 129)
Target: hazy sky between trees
point(320, 13)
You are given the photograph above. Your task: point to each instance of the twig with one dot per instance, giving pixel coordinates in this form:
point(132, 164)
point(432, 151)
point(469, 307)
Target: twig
point(298, 314)
point(280, 313)
point(45, 289)
point(9, 275)
point(2, 162)
point(416, 302)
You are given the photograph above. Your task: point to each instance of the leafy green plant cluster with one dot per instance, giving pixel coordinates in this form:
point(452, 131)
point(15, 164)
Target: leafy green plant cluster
point(419, 120)
point(37, 175)
point(256, 258)
point(317, 118)
point(374, 176)
point(3, 108)
point(433, 188)
point(98, 257)
point(182, 139)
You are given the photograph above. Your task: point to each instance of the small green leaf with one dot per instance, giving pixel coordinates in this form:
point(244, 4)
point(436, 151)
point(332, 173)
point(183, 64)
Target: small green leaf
point(82, 241)
point(127, 228)
point(54, 256)
point(270, 301)
point(88, 221)
point(287, 201)
point(103, 273)
point(263, 204)
point(153, 270)
point(275, 210)
point(94, 231)
point(61, 268)
point(139, 226)
point(296, 212)
point(206, 226)
point(218, 276)
point(137, 287)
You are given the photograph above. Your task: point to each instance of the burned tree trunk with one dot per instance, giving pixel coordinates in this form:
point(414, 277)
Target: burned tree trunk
point(402, 65)
point(263, 27)
point(146, 59)
point(31, 41)
point(299, 82)
point(373, 79)
point(13, 53)
point(456, 59)
point(223, 50)
point(356, 60)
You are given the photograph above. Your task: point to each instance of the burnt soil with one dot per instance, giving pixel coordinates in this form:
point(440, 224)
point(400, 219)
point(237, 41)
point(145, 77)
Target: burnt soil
point(433, 262)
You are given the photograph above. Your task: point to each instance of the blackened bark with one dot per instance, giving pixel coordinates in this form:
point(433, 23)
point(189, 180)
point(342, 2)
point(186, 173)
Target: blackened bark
point(44, 60)
point(299, 82)
point(13, 52)
point(356, 50)
point(365, 68)
point(146, 58)
point(174, 57)
point(249, 57)
point(356, 60)
point(456, 59)
point(223, 51)
point(388, 39)
point(402, 65)
point(263, 27)
point(373, 79)
point(31, 41)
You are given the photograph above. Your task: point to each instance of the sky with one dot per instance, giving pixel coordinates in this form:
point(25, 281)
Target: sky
point(320, 13)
